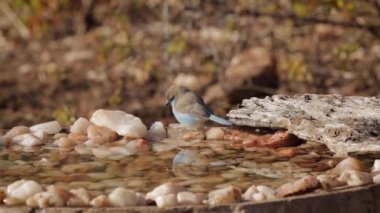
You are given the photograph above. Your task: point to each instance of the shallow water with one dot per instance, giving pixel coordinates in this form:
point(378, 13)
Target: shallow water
point(222, 163)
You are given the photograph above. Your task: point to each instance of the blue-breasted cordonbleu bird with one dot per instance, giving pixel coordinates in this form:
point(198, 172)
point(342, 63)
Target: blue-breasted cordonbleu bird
point(189, 108)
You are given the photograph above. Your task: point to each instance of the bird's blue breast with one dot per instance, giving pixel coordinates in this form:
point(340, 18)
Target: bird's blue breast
point(186, 119)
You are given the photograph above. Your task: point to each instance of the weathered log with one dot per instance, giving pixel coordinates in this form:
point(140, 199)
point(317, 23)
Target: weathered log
point(344, 123)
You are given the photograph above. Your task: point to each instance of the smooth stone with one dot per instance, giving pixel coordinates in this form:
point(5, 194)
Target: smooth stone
point(100, 201)
point(120, 122)
point(81, 198)
point(215, 133)
point(329, 181)
point(121, 197)
point(54, 196)
point(100, 134)
point(355, 178)
point(259, 193)
point(225, 195)
point(15, 131)
point(166, 200)
point(376, 166)
point(78, 137)
point(301, 185)
point(80, 126)
point(12, 201)
point(138, 146)
point(157, 131)
point(65, 143)
point(51, 128)
point(27, 139)
point(23, 189)
point(347, 164)
point(164, 189)
point(376, 179)
point(189, 198)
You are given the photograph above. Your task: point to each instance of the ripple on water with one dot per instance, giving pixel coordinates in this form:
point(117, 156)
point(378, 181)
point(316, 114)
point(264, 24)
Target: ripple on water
point(223, 164)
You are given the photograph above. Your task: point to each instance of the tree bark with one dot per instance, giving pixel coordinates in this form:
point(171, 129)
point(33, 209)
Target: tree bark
point(345, 124)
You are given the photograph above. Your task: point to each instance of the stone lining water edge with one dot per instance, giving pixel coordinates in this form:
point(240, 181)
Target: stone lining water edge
point(113, 159)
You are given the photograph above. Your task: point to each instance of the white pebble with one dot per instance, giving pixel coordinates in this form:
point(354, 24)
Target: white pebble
point(376, 179)
point(258, 196)
point(306, 183)
point(347, 164)
point(120, 122)
point(27, 139)
point(137, 146)
point(12, 201)
point(51, 127)
point(100, 201)
point(329, 181)
point(215, 133)
point(15, 131)
point(164, 189)
point(259, 193)
point(166, 200)
point(100, 134)
point(355, 178)
point(23, 189)
point(80, 126)
point(189, 198)
point(65, 143)
point(54, 196)
point(58, 195)
point(225, 195)
point(121, 197)
point(80, 198)
point(157, 131)
point(268, 192)
point(249, 192)
point(39, 200)
point(376, 166)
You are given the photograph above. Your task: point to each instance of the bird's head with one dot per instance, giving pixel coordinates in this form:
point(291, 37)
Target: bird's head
point(173, 93)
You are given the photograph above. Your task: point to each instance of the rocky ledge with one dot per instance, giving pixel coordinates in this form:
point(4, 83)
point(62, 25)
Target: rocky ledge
point(346, 124)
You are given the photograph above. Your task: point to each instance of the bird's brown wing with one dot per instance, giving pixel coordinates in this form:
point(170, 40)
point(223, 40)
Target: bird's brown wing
point(190, 103)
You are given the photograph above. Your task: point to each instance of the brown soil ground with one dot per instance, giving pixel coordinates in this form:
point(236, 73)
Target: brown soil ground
point(63, 59)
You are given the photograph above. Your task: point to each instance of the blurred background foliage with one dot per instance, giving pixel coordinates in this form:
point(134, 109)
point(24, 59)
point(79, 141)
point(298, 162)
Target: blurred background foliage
point(61, 59)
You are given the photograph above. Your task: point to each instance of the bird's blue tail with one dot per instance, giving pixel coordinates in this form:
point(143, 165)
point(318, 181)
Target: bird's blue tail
point(219, 120)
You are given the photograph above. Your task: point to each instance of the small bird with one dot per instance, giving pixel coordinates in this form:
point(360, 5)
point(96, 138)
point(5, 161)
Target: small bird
point(189, 108)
